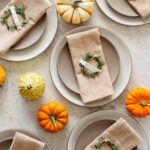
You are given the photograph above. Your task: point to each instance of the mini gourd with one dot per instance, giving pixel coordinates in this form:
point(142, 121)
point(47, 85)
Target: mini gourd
point(2, 75)
point(75, 11)
point(138, 102)
point(31, 86)
point(52, 117)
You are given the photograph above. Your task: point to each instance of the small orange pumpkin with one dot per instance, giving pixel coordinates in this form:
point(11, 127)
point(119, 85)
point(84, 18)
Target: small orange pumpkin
point(138, 102)
point(2, 75)
point(52, 117)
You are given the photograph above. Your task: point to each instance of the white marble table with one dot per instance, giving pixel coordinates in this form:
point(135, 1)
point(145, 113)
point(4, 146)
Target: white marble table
point(15, 112)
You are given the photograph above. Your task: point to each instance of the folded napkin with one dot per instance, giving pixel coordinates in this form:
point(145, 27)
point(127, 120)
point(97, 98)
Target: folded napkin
point(121, 133)
point(24, 142)
point(91, 89)
point(142, 7)
point(34, 10)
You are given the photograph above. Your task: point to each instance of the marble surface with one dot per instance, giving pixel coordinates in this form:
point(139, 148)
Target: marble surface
point(16, 112)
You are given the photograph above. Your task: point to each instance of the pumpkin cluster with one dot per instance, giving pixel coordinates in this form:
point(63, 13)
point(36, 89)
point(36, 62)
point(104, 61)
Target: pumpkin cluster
point(52, 117)
point(138, 102)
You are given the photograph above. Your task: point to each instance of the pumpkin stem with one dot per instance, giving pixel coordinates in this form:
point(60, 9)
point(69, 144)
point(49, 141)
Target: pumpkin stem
point(142, 103)
point(76, 2)
point(53, 120)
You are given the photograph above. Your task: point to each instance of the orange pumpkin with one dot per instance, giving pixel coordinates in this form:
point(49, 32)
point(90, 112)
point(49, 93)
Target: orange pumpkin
point(138, 102)
point(52, 117)
point(2, 75)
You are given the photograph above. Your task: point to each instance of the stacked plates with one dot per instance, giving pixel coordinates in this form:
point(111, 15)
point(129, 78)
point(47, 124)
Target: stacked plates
point(94, 124)
point(117, 56)
point(121, 12)
point(37, 40)
point(7, 136)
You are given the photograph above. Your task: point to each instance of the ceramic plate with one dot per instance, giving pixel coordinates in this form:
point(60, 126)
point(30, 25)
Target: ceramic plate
point(42, 44)
point(32, 36)
point(122, 7)
point(94, 124)
point(130, 21)
point(123, 76)
point(66, 71)
point(6, 138)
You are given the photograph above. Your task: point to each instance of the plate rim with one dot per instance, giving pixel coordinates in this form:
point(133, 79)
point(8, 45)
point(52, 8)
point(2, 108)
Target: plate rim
point(51, 66)
point(7, 58)
point(99, 3)
point(107, 111)
point(27, 131)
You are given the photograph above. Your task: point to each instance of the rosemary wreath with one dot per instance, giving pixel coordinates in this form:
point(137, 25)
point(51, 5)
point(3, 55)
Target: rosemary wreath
point(107, 141)
point(12, 27)
point(89, 57)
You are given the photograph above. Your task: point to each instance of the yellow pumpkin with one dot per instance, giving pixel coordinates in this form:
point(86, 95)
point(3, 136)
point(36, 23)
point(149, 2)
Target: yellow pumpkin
point(31, 86)
point(138, 102)
point(2, 75)
point(75, 11)
point(52, 117)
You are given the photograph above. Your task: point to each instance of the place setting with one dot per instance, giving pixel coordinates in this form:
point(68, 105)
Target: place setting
point(79, 84)
point(29, 32)
point(12, 139)
point(127, 12)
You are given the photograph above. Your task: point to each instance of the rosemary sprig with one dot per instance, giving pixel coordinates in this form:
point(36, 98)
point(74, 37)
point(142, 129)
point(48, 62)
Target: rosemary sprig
point(107, 141)
point(89, 57)
point(12, 27)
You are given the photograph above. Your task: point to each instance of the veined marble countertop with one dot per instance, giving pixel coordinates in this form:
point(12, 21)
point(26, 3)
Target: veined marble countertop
point(16, 112)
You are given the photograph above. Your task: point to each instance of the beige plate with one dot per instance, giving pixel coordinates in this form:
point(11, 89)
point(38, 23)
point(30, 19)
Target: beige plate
point(121, 81)
point(7, 136)
point(32, 36)
point(66, 71)
point(94, 124)
point(122, 7)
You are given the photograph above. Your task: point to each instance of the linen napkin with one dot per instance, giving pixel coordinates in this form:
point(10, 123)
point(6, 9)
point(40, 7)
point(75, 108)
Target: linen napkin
point(142, 7)
point(123, 135)
point(24, 142)
point(34, 10)
point(91, 89)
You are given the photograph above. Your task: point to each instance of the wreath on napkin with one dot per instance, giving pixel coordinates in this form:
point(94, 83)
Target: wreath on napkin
point(107, 141)
point(89, 57)
point(19, 11)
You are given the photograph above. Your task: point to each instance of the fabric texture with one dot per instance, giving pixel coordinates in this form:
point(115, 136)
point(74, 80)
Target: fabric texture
point(121, 133)
point(24, 142)
point(91, 89)
point(142, 7)
point(35, 9)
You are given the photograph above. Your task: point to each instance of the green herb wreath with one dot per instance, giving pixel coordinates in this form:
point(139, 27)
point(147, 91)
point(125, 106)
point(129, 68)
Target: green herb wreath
point(12, 27)
point(107, 141)
point(89, 57)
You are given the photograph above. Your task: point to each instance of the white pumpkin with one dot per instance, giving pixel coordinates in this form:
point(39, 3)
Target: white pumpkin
point(75, 11)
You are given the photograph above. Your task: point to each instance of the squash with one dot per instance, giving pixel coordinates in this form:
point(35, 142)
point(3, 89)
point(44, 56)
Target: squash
point(31, 86)
point(52, 117)
point(138, 102)
point(75, 11)
point(2, 75)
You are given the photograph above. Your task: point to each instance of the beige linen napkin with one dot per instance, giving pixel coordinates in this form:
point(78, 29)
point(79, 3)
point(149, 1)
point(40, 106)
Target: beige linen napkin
point(24, 142)
point(142, 7)
point(35, 9)
point(89, 42)
point(121, 133)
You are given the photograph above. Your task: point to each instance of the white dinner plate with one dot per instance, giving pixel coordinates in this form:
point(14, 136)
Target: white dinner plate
point(41, 45)
point(7, 136)
point(66, 71)
point(31, 37)
point(122, 7)
point(94, 124)
point(123, 76)
point(130, 21)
